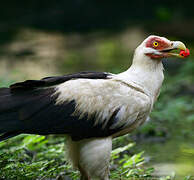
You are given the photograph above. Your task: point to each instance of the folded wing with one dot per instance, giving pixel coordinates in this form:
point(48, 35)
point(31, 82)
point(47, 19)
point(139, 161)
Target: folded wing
point(30, 107)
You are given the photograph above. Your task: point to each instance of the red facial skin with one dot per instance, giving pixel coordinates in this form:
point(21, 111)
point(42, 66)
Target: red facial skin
point(161, 46)
point(161, 43)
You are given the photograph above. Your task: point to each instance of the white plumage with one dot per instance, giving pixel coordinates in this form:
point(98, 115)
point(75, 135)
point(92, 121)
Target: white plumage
point(94, 96)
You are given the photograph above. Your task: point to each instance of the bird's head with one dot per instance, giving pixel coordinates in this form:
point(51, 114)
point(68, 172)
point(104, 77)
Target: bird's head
point(156, 47)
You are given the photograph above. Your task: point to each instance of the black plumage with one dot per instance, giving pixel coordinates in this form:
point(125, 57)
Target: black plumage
point(51, 81)
point(30, 107)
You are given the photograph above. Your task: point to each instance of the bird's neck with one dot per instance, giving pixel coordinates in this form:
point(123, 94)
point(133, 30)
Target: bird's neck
point(147, 73)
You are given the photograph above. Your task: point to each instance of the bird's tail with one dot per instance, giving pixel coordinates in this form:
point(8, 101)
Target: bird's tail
point(17, 110)
point(8, 123)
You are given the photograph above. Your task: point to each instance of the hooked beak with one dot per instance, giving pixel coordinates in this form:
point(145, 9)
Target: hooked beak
point(175, 45)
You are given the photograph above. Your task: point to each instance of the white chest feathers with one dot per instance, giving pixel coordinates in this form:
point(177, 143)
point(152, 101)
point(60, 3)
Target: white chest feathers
point(104, 97)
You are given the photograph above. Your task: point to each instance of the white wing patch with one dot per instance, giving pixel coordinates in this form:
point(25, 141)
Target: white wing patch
point(102, 98)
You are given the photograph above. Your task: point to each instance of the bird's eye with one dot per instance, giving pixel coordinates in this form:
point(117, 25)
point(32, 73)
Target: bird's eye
point(155, 43)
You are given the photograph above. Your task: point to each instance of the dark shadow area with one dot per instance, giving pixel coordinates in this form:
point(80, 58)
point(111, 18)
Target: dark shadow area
point(82, 16)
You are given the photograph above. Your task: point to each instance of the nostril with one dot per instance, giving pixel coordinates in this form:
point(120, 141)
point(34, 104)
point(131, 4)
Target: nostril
point(171, 44)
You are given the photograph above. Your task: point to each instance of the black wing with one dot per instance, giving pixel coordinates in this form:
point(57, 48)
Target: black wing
point(51, 81)
point(29, 107)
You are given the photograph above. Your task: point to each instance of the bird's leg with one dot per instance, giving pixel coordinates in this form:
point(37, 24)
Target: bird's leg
point(84, 174)
point(94, 157)
point(106, 176)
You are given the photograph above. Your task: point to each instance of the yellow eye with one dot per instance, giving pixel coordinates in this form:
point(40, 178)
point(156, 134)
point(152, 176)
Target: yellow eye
point(155, 43)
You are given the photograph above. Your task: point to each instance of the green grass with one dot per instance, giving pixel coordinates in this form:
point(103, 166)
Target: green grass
point(34, 156)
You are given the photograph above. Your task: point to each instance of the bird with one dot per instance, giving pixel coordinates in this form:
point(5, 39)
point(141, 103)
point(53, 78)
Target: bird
point(89, 108)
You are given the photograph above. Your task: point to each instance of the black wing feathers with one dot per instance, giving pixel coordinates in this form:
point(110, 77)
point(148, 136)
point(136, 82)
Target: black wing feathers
point(51, 81)
point(42, 116)
point(28, 108)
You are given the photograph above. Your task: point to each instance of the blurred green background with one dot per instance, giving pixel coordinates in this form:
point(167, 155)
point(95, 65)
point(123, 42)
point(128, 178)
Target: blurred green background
point(45, 38)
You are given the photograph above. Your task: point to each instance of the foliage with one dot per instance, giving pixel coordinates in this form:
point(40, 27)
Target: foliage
point(33, 156)
point(129, 166)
